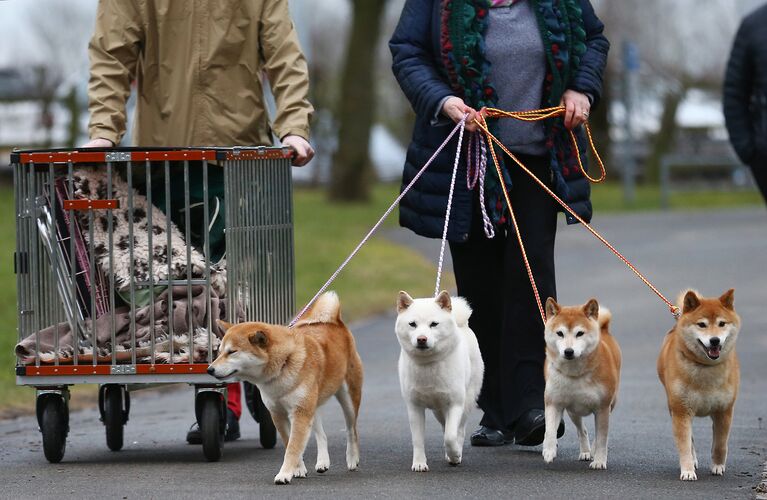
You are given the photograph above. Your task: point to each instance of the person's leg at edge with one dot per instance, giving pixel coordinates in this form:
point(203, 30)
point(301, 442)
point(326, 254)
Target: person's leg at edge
point(522, 344)
point(476, 264)
point(759, 172)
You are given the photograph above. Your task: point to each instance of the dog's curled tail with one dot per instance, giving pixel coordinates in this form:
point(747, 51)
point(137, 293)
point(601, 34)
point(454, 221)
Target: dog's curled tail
point(461, 311)
point(604, 318)
point(327, 309)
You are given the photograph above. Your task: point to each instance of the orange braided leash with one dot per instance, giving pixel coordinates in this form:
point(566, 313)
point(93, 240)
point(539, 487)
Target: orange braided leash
point(542, 114)
point(513, 219)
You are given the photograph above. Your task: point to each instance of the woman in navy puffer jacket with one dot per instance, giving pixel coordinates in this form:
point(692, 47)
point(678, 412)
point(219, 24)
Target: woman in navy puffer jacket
point(453, 57)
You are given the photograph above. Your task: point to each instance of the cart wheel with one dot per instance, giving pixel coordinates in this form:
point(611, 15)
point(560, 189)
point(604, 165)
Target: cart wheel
point(211, 429)
point(114, 416)
point(267, 433)
point(54, 426)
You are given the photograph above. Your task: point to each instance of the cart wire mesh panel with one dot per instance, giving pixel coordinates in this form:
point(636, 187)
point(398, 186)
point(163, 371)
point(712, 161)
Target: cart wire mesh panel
point(126, 258)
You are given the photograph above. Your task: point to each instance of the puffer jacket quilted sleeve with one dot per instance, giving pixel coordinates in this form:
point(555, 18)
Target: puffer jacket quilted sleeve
point(738, 91)
point(588, 77)
point(414, 61)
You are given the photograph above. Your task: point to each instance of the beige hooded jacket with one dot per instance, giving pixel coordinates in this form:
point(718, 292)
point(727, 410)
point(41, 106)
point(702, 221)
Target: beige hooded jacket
point(198, 65)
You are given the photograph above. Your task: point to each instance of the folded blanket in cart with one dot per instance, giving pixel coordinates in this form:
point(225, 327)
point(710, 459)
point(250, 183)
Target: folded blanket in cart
point(93, 183)
point(186, 331)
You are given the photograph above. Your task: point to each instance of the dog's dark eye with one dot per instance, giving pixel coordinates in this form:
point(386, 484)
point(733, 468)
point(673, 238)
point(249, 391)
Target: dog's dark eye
point(412, 324)
point(433, 324)
point(701, 324)
point(580, 333)
point(231, 352)
point(560, 333)
point(721, 324)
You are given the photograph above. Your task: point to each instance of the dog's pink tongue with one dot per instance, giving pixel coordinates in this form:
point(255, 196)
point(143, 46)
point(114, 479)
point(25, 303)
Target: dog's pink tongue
point(713, 351)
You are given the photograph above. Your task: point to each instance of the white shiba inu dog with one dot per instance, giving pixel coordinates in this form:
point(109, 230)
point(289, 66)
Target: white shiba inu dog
point(440, 368)
point(699, 369)
point(582, 371)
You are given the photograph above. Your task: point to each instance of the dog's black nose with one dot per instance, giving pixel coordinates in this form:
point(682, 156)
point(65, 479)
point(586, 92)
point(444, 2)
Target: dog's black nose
point(569, 353)
point(211, 370)
point(421, 340)
point(714, 341)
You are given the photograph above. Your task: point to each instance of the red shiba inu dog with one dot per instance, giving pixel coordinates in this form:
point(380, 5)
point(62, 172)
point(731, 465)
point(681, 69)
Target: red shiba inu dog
point(297, 370)
point(582, 371)
point(699, 369)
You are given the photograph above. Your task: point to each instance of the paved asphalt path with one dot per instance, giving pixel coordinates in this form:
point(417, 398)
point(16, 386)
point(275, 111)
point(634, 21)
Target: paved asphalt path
point(711, 251)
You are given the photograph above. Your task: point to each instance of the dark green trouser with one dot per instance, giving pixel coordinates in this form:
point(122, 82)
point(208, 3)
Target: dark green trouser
point(216, 195)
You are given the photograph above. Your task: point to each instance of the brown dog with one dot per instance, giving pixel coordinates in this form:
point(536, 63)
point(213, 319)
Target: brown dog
point(297, 370)
point(699, 369)
point(582, 372)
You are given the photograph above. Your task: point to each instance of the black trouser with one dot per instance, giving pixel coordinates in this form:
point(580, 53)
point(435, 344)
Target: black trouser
point(759, 171)
point(491, 275)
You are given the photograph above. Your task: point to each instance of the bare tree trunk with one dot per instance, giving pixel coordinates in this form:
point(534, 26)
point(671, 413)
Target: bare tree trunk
point(666, 135)
point(73, 106)
point(351, 170)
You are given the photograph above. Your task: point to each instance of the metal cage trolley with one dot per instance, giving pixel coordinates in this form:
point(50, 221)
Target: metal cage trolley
point(125, 261)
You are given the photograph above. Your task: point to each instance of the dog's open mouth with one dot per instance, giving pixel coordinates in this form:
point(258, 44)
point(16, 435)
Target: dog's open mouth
point(713, 351)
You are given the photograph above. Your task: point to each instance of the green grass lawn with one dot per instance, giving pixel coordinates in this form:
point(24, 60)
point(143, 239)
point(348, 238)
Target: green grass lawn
point(325, 233)
point(608, 197)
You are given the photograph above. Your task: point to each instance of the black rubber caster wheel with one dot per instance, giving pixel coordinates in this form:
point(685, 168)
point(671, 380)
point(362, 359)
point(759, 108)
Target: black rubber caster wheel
point(267, 433)
point(54, 425)
point(114, 415)
point(212, 426)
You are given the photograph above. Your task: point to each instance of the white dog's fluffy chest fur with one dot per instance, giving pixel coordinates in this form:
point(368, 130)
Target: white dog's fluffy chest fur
point(439, 383)
point(581, 395)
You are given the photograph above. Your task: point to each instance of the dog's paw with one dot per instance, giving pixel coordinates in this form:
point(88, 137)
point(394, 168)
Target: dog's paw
point(453, 460)
point(301, 470)
point(283, 478)
point(688, 475)
point(598, 464)
point(322, 466)
point(585, 456)
point(352, 460)
point(419, 467)
point(717, 469)
point(549, 454)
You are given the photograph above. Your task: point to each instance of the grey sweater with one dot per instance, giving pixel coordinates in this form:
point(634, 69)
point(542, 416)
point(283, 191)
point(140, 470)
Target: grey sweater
point(515, 50)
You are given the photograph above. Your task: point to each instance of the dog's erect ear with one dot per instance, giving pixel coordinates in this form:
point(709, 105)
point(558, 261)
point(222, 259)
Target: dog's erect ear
point(728, 299)
point(224, 325)
point(258, 339)
point(690, 302)
point(403, 301)
point(552, 308)
point(591, 309)
point(443, 300)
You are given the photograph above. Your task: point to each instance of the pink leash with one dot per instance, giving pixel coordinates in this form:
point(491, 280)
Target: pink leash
point(459, 126)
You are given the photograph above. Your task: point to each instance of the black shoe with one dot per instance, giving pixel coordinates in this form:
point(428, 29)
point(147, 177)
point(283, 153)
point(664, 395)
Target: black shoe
point(232, 426)
point(194, 436)
point(485, 436)
point(531, 427)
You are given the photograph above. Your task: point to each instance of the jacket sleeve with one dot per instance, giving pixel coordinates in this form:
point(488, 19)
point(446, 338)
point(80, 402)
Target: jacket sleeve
point(588, 78)
point(286, 68)
point(413, 62)
point(738, 88)
point(114, 52)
